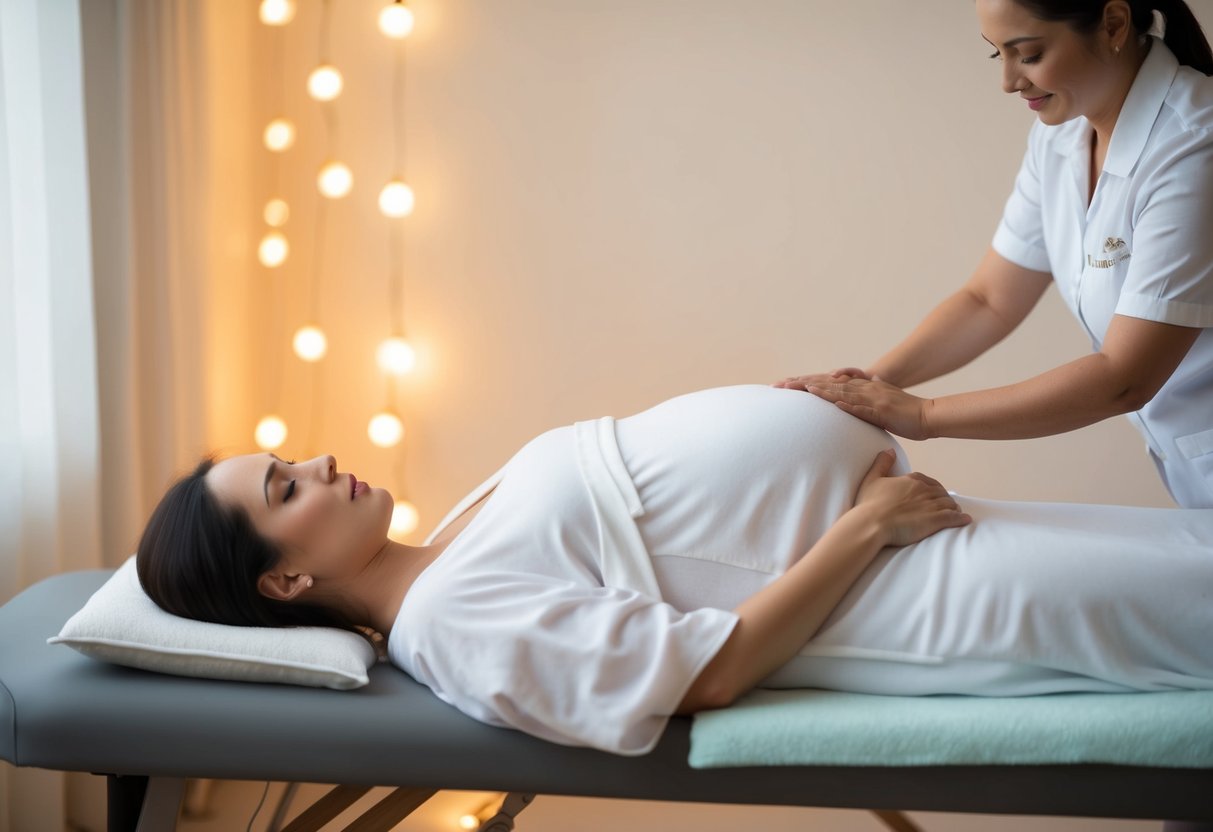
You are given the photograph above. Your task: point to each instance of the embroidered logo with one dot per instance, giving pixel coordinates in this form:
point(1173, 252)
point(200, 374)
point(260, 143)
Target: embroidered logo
point(1115, 251)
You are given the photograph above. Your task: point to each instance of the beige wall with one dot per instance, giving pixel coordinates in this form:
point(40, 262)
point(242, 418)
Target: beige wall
point(621, 201)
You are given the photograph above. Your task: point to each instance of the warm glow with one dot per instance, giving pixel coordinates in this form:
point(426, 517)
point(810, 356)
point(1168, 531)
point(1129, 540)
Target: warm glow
point(273, 249)
point(270, 433)
point(396, 21)
point(469, 822)
point(277, 212)
point(279, 134)
point(310, 343)
point(277, 12)
point(385, 429)
point(404, 519)
point(396, 199)
point(324, 84)
point(395, 356)
point(335, 180)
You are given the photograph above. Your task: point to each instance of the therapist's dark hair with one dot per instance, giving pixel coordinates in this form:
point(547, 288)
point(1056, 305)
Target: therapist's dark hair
point(1183, 36)
point(200, 559)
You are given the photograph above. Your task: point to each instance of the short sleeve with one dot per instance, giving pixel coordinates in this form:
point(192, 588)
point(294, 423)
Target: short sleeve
point(575, 665)
point(1170, 275)
point(1020, 235)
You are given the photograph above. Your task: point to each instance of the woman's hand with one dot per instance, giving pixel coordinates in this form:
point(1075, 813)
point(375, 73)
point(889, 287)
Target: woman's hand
point(816, 379)
point(906, 508)
point(879, 403)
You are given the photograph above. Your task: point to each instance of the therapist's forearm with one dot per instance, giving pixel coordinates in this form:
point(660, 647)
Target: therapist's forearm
point(1066, 398)
point(774, 623)
point(955, 332)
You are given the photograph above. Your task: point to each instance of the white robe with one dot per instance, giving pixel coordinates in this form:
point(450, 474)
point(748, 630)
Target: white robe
point(597, 580)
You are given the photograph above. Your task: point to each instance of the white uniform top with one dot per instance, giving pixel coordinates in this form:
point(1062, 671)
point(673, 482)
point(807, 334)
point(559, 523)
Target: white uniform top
point(1142, 248)
point(595, 582)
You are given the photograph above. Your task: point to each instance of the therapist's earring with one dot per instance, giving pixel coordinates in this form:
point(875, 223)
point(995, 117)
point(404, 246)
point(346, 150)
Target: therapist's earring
point(309, 583)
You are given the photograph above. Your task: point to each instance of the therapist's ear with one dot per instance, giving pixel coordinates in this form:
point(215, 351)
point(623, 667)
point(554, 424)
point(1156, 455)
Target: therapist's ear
point(278, 586)
point(1117, 24)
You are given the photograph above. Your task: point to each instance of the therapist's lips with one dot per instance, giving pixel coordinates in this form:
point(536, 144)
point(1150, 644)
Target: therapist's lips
point(1037, 103)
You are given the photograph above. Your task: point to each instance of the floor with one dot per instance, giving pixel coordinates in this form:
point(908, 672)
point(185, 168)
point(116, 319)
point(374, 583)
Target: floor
point(230, 805)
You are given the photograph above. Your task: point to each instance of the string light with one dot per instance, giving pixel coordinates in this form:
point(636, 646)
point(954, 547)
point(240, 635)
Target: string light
point(279, 135)
point(469, 822)
point(273, 250)
point(404, 519)
point(270, 433)
point(396, 20)
point(395, 356)
point(277, 12)
point(396, 199)
point(310, 343)
point(276, 213)
point(325, 83)
point(385, 429)
point(335, 180)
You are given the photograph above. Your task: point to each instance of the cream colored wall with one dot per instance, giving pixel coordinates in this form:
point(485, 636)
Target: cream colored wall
point(621, 201)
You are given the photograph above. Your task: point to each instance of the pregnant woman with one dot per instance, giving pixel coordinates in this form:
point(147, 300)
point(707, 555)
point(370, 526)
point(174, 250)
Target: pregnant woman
point(616, 572)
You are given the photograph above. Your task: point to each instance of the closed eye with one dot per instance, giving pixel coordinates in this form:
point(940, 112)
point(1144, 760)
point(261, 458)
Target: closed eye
point(290, 489)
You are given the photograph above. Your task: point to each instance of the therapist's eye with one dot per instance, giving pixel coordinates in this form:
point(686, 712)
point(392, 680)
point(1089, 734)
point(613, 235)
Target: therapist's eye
point(1032, 59)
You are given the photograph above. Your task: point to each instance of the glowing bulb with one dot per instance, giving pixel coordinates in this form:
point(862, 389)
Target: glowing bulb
point(395, 356)
point(396, 199)
point(273, 249)
point(335, 180)
point(270, 433)
point(324, 84)
point(404, 520)
point(310, 343)
point(469, 822)
point(277, 12)
point(385, 429)
point(396, 20)
point(277, 212)
point(279, 134)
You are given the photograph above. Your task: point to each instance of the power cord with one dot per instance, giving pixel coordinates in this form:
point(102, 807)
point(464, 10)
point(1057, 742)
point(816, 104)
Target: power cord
point(257, 811)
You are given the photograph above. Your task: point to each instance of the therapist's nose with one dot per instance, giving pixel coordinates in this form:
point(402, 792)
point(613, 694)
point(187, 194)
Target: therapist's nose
point(1012, 80)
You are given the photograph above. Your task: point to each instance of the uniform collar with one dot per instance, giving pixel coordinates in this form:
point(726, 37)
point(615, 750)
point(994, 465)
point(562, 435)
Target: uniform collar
point(1141, 108)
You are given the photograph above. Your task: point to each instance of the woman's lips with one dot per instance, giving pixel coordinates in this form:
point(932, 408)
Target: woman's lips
point(1038, 102)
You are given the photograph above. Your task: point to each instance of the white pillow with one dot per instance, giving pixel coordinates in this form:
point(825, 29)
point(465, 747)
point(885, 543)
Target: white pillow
point(121, 624)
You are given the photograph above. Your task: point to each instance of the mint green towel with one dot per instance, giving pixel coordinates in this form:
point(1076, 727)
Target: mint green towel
point(811, 727)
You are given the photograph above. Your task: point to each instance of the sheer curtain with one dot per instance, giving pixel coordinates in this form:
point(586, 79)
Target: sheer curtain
point(49, 424)
point(103, 299)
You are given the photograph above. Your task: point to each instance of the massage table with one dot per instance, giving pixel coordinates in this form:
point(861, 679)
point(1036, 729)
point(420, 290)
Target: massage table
point(149, 732)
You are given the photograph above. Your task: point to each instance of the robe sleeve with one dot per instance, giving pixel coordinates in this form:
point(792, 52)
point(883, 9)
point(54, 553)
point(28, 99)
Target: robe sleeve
point(576, 665)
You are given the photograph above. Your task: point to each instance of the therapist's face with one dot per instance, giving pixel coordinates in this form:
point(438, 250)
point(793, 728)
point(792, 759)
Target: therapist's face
point(1061, 74)
point(325, 523)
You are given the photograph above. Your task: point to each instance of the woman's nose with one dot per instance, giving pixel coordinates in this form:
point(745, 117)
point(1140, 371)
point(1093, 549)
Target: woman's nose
point(326, 467)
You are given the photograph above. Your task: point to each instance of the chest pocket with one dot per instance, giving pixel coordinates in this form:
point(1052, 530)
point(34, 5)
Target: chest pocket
point(1105, 267)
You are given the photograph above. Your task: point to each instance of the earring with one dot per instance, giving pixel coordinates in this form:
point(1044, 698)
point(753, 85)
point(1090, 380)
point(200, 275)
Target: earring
point(309, 583)
point(1116, 49)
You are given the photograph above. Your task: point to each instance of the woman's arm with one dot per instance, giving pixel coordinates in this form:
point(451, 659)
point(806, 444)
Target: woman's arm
point(775, 622)
point(994, 301)
point(1137, 358)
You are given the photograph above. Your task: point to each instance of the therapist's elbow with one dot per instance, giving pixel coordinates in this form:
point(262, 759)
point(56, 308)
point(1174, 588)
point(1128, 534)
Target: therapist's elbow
point(1132, 396)
point(709, 692)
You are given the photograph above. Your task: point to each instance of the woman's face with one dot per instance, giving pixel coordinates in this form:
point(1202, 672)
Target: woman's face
point(326, 524)
point(1060, 73)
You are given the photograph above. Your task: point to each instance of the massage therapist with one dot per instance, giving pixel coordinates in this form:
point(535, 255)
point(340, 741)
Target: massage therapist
point(1114, 203)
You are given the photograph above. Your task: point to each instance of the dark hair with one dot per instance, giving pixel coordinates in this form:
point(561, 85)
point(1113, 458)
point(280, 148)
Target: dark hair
point(1183, 36)
point(200, 559)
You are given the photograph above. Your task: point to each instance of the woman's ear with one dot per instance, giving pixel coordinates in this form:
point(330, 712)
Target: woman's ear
point(279, 586)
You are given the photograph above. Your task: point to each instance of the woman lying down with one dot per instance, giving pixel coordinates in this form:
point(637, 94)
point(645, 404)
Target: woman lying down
point(617, 572)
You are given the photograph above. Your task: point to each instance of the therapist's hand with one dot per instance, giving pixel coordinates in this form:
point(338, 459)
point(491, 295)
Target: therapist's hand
point(832, 377)
point(879, 403)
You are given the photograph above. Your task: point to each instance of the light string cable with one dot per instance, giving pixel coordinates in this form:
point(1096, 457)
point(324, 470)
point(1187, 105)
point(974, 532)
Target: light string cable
point(274, 249)
point(329, 113)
